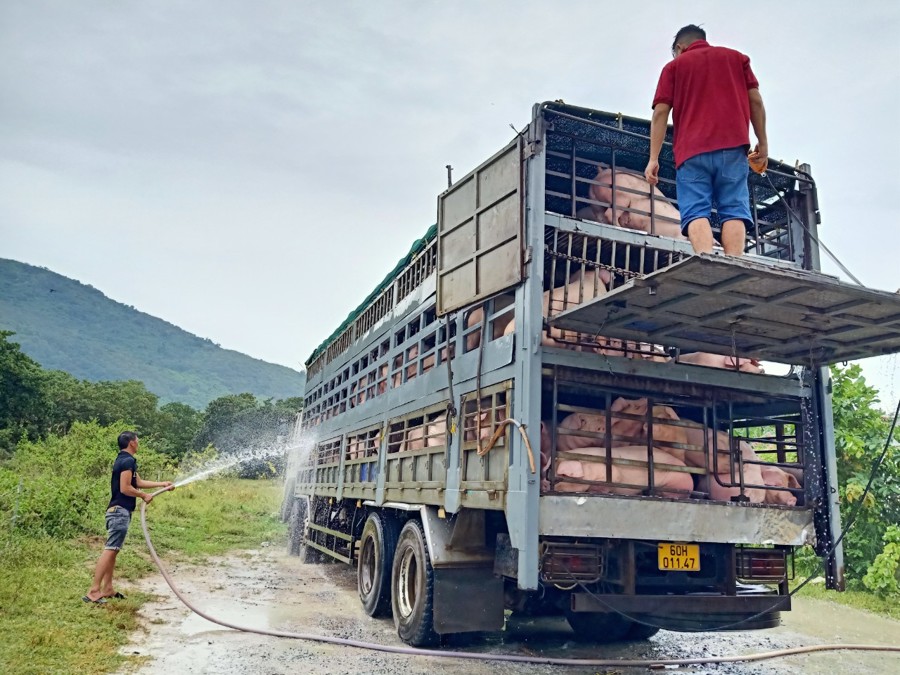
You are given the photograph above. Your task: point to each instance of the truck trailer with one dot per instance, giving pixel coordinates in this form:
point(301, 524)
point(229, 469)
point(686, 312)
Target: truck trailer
point(552, 406)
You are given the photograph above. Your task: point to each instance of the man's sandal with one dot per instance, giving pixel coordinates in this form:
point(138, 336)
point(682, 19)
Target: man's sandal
point(98, 601)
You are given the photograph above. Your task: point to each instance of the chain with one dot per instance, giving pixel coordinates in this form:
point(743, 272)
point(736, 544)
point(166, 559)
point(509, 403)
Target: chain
point(597, 265)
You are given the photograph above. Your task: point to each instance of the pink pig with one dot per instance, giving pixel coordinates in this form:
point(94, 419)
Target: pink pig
point(580, 289)
point(721, 361)
point(546, 453)
point(633, 193)
point(775, 476)
point(679, 483)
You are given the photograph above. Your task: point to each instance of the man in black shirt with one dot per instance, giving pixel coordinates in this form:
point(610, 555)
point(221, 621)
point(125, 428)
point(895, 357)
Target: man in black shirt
point(124, 488)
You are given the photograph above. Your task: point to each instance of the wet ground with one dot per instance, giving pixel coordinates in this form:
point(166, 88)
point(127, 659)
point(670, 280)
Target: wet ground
point(268, 589)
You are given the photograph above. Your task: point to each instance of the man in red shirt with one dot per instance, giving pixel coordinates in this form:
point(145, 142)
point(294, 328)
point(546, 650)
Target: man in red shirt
point(714, 97)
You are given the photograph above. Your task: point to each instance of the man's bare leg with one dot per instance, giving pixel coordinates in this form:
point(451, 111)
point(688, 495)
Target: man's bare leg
point(701, 236)
point(105, 565)
point(106, 583)
point(734, 237)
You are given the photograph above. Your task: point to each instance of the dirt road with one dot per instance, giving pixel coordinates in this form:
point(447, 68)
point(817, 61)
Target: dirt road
point(268, 589)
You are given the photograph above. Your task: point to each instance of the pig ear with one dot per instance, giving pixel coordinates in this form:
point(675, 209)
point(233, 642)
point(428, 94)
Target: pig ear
point(605, 277)
point(792, 481)
point(618, 404)
point(570, 468)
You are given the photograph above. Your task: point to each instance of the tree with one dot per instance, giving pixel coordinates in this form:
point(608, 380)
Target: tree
point(239, 424)
point(224, 422)
point(176, 426)
point(861, 430)
point(72, 400)
point(23, 395)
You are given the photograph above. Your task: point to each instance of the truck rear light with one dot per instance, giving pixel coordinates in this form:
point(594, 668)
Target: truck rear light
point(761, 564)
point(570, 563)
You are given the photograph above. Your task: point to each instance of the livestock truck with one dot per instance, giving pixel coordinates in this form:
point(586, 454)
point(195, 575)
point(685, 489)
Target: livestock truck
point(516, 419)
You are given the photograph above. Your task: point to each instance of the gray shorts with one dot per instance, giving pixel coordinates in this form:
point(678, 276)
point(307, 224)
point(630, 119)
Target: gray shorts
point(118, 518)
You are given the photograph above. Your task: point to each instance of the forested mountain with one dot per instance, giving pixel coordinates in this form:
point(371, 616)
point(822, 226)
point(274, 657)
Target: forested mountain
point(66, 325)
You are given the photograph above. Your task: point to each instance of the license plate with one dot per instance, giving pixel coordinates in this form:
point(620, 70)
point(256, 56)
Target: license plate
point(679, 557)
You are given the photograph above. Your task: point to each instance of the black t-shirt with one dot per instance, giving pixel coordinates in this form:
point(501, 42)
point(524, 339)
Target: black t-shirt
point(124, 462)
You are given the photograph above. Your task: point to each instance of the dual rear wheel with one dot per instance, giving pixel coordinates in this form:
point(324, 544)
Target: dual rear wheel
point(394, 575)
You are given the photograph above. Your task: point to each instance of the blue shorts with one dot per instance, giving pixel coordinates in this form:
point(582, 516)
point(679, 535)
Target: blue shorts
point(118, 518)
point(714, 178)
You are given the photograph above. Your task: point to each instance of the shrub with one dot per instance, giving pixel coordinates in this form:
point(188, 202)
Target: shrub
point(883, 577)
point(65, 480)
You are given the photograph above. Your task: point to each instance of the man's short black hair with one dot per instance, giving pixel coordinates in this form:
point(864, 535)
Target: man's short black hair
point(125, 438)
point(689, 32)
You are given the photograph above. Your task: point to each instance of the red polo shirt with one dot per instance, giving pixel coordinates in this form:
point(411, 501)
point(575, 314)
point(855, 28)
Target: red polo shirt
point(707, 89)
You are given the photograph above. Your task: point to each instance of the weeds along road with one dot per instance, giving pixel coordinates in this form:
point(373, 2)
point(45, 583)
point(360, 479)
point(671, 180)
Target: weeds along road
point(268, 589)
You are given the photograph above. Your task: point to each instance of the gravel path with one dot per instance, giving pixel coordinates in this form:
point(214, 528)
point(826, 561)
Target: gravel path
point(268, 589)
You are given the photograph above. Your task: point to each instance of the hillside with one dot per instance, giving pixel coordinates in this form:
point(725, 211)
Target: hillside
point(66, 325)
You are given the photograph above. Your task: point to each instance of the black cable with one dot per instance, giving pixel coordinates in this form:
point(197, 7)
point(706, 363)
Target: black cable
point(811, 235)
point(850, 521)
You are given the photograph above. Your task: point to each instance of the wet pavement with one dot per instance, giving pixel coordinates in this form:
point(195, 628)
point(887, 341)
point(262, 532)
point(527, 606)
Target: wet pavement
point(267, 589)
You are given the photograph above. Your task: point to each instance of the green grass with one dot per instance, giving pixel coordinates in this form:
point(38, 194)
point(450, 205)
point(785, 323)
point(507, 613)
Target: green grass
point(46, 626)
point(859, 599)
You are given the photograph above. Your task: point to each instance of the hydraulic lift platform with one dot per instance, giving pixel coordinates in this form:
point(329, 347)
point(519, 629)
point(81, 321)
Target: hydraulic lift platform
point(742, 307)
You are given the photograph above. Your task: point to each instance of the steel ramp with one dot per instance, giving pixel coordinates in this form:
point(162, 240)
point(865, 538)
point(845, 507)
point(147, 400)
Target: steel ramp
point(727, 305)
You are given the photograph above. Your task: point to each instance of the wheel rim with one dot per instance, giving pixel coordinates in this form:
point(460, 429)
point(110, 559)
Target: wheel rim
point(367, 566)
point(407, 583)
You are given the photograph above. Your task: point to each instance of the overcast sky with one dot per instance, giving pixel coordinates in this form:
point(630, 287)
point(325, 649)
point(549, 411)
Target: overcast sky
point(250, 170)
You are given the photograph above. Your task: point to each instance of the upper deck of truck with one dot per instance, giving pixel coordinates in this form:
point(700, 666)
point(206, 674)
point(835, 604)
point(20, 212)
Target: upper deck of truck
point(772, 304)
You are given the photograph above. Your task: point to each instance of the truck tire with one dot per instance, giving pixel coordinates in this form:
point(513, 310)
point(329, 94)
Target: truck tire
point(376, 562)
point(297, 533)
point(639, 631)
point(598, 626)
point(412, 588)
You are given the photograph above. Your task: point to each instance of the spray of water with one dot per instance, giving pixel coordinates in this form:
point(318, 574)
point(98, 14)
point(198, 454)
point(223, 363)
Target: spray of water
point(297, 449)
point(230, 460)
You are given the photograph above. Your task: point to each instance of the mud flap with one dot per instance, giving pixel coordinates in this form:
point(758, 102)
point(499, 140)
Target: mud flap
point(468, 599)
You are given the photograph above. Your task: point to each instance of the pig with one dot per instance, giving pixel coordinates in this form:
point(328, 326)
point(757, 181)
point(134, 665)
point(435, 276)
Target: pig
point(587, 422)
point(436, 432)
point(752, 475)
point(480, 427)
point(353, 450)
point(580, 288)
point(415, 439)
point(546, 455)
point(624, 431)
point(666, 218)
point(628, 427)
point(694, 436)
point(680, 484)
point(629, 349)
point(665, 435)
point(412, 353)
point(721, 361)
point(475, 318)
point(775, 476)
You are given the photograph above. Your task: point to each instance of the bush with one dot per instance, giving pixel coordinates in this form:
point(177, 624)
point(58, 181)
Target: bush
point(65, 480)
point(883, 577)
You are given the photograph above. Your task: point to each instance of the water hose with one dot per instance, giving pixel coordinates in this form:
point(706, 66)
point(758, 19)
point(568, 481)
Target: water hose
point(506, 658)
